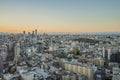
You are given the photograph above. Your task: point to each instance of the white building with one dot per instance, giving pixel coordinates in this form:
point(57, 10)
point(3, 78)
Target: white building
point(3, 52)
point(109, 54)
point(17, 52)
point(77, 68)
point(116, 73)
point(103, 52)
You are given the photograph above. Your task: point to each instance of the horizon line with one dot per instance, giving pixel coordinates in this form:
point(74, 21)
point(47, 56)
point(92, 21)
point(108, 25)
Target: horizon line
point(61, 32)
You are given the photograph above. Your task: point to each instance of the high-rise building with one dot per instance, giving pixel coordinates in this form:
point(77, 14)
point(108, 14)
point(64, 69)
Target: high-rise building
point(17, 51)
point(109, 54)
point(29, 33)
point(103, 52)
point(36, 32)
point(1, 66)
point(87, 71)
point(24, 32)
point(116, 73)
point(24, 35)
point(4, 54)
point(33, 34)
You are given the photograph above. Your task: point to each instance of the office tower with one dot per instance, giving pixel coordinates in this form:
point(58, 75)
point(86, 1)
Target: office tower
point(17, 52)
point(103, 52)
point(109, 54)
point(1, 66)
point(24, 32)
point(4, 54)
point(116, 73)
point(36, 35)
point(24, 35)
point(35, 32)
point(29, 33)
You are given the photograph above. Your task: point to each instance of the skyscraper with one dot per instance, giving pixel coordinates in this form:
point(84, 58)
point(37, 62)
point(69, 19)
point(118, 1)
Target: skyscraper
point(36, 32)
point(17, 52)
point(4, 54)
point(109, 54)
point(103, 52)
point(33, 33)
point(24, 32)
point(24, 35)
point(1, 66)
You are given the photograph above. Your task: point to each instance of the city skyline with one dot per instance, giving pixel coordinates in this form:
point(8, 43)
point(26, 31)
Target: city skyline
point(60, 15)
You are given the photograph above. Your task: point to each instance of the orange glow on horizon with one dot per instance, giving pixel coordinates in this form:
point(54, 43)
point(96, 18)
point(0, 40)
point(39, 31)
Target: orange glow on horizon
point(18, 29)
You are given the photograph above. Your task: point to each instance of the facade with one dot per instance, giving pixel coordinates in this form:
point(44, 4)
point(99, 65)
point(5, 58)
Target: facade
point(1, 66)
point(17, 52)
point(116, 77)
point(116, 73)
point(103, 52)
point(85, 70)
point(109, 54)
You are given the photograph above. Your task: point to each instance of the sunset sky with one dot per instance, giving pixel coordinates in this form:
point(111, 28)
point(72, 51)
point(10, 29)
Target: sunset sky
point(60, 15)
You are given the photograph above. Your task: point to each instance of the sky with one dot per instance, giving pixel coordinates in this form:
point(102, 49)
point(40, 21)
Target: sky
point(60, 15)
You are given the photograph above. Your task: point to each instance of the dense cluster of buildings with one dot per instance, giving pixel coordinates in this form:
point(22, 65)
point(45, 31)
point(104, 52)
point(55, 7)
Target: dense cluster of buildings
point(33, 56)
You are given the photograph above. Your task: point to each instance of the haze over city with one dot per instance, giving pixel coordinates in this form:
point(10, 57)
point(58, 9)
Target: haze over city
point(60, 15)
point(59, 39)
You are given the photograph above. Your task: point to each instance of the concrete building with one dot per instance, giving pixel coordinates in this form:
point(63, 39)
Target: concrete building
point(27, 76)
point(103, 52)
point(17, 52)
point(85, 70)
point(116, 73)
point(1, 66)
point(109, 54)
point(65, 77)
point(99, 62)
point(4, 54)
point(116, 77)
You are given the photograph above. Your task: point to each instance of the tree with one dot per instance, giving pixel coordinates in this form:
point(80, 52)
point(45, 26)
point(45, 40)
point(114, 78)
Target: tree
point(75, 51)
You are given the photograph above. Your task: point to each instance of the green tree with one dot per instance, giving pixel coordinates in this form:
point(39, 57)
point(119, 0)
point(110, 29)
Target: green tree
point(75, 51)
